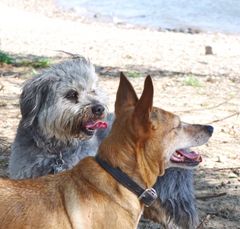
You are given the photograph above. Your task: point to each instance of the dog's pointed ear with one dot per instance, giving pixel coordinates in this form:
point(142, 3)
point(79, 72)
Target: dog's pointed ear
point(126, 95)
point(145, 103)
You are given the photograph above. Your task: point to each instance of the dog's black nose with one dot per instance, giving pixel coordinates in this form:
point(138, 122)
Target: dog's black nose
point(98, 109)
point(210, 129)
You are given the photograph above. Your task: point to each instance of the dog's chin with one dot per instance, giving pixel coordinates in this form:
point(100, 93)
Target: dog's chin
point(88, 132)
point(185, 158)
point(84, 134)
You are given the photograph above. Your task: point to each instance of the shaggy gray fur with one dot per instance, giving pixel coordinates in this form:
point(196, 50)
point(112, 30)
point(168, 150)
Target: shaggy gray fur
point(50, 128)
point(48, 133)
point(176, 193)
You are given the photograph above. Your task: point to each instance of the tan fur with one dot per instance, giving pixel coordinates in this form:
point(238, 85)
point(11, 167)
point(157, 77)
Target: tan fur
point(140, 144)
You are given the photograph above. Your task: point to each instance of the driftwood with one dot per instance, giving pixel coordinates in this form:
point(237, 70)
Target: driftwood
point(210, 196)
point(222, 119)
point(210, 107)
point(219, 169)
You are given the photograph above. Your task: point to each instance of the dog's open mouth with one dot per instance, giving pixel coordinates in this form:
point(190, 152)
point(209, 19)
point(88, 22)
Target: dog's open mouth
point(91, 126)
point(186, 157)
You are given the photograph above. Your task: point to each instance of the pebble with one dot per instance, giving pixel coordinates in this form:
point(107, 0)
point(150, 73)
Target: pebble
point(218, 159)
point(208, 50)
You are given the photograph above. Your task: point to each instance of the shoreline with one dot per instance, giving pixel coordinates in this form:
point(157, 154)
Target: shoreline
point(42, 28)
point(104, 17)
point(52, 9)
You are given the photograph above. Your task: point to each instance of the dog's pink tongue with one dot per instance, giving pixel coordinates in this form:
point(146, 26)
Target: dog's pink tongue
point(190, 155)
point(97, 125)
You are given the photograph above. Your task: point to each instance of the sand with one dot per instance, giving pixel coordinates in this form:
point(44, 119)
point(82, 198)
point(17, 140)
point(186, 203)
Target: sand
point(200, 88)
point(37, 33)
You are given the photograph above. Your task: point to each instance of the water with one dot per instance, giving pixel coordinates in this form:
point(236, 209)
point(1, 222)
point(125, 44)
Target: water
point(207, 15)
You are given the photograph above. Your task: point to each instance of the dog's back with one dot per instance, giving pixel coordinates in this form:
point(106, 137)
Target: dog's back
point(32, 204)
point(84, 197)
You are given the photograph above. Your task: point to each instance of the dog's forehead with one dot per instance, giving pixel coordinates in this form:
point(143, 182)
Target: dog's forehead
point(165, 116)
point(78, 83)
point(76, 74)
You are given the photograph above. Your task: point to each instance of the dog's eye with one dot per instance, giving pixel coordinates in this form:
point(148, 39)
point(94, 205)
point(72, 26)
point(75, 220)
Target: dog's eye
point(93, 92)
point(177, 126)
point(72, 95)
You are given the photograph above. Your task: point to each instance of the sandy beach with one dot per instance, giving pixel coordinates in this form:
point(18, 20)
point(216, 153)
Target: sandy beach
point(38, 32)
point(200, 88)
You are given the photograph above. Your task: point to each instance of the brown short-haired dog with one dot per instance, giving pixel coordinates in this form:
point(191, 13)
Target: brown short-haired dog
point(139, 147)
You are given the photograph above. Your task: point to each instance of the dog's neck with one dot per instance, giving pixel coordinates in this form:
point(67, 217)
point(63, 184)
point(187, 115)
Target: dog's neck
point(130, 158)
point(51, 144)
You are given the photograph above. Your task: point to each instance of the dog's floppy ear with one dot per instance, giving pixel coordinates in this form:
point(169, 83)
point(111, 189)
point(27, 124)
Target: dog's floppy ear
point(33, 96)
point(145, 103)
point(126, 95)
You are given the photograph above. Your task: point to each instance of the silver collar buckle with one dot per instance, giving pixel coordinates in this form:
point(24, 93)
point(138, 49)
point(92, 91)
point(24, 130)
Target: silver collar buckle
point(148, 197)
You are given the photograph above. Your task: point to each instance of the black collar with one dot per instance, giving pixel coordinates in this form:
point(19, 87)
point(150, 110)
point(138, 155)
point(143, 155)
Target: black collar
point(147, 196)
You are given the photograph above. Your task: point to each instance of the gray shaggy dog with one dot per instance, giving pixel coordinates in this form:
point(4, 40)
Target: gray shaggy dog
point(61, 111)
point(64, 119)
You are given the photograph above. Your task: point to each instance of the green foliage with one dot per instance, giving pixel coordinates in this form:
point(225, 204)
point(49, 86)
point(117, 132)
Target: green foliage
point(5, 58)
point(192, 80)
point(34, 72)
point(41, 63)
point(134, 74)
point(35, 63)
